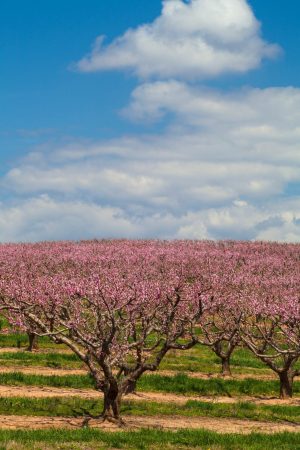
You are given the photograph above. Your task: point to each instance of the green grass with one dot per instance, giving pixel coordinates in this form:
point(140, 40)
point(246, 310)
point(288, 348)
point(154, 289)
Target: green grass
point(57, 360)
point(74, 407)
point(198, 359)
point(20, 340)
point(68, 381)
point(203, 359)
point(184, 363)
point(147, 439)
point(180, 384)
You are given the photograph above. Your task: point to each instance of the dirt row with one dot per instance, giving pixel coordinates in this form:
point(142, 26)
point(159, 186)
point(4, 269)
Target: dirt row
point(42, 370)
point(42, 350)
point(46, 392)
point(220, 425)
point(159, 422)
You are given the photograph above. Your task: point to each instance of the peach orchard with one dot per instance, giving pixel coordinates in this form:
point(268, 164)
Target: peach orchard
point(122, 305)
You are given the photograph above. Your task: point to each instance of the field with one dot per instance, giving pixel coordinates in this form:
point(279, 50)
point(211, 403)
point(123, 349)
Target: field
point(126, 331)
point(45, 395)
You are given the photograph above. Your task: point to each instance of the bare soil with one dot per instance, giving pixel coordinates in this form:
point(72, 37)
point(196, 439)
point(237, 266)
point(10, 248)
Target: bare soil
point(182, 399)
point(42, 370)
point(220, 425)
point(40, 350)
point(57, 371)
point(207, 376)
point(44, 392)
point(159, 422)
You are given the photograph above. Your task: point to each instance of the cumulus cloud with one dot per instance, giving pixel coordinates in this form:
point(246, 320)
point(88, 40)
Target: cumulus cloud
point(45, 218)
point(259, 111)
point(225, 165)
point(190, 39)
point(221, 169)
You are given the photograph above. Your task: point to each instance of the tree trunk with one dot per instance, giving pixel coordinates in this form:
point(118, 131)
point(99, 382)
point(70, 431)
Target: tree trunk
point(33, 342)
point(286, 384)
point(130, 387)
point(224, 353)
point(226, 371)
point(112, 402)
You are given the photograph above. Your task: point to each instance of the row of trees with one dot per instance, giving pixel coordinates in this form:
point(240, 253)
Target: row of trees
point(121, 306)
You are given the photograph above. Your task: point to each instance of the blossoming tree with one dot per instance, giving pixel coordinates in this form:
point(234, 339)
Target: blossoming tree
point(220, 323)
point(270, 326)
point(119, 306)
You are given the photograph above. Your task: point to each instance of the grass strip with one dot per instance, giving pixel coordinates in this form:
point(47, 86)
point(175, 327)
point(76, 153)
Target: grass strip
point(53, 360)
point(75, 407)
point(67, 381)
point(20, 340)
point(199, 355)
point(180, 384)
point(208, 363)
point(148, 439)
point(71, 361)
point(198, 359)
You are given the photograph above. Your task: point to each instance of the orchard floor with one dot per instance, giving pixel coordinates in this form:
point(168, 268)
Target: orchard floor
point(198, 364)
point(162, 423)
point(60, 372)
point(53, 392)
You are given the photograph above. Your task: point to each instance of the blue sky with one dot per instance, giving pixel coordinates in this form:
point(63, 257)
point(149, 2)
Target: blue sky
point(57, 99)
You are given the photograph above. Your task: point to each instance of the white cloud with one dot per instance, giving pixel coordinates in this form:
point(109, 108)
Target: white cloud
point(211, 174)
point(190, 39)
point(44, 218)
point(252, 112)
point(225, 165)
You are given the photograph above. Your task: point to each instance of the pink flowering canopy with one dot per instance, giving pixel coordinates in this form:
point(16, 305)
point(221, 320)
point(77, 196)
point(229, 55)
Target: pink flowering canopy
point(121, 305)
point(92, 287)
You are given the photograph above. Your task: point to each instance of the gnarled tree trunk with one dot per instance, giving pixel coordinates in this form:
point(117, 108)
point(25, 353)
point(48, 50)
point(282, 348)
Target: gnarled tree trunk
point(33, 342)
point(286, 384)
point(112, 401)
point(226, 370)
point(224, 351)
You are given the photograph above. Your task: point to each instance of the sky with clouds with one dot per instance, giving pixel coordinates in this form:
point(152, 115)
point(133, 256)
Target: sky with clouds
point(162, 119)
